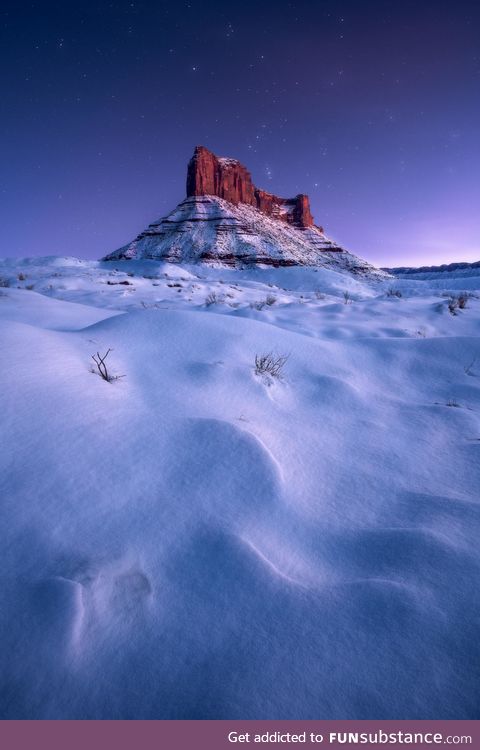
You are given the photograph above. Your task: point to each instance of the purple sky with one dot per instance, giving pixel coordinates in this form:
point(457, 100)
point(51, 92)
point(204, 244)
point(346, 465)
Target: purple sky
point(372, 108)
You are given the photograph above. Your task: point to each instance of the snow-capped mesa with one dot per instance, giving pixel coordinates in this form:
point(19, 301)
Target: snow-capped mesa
point(226, 220)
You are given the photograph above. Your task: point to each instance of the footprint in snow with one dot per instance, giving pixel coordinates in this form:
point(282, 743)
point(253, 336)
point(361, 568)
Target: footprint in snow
point(120, 593)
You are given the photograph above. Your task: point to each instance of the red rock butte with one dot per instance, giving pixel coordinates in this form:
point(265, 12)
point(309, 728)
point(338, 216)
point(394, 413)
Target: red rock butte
point(228, 179)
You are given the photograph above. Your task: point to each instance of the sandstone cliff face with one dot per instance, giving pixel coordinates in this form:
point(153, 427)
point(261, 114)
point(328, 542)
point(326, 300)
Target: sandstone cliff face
point(228, 179)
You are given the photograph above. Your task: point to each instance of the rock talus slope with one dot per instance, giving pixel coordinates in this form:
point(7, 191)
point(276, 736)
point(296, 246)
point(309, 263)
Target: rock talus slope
point(226, 220)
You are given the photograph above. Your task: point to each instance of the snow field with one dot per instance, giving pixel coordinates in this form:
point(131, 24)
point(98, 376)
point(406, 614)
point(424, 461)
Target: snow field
point(197, 541)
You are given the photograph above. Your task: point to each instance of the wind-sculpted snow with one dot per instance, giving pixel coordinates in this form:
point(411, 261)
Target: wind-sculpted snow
point(194, 540)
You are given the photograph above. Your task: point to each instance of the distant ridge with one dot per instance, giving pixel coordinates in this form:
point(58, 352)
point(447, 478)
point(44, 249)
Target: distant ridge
point(444, 268)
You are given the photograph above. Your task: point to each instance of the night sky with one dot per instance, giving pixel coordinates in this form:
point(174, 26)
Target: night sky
point(372, 108)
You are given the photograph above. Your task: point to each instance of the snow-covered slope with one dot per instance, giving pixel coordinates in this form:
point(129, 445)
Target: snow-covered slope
point(210, 229)
point(195, 540)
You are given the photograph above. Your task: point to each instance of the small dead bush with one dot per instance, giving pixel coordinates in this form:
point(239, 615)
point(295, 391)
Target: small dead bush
point(347, 299)
point(271, 364)
point(394, 292)
point(270, 299)
point(452, 305)
point(258, 305)
point(21, 277)
point(4, 283)
point(453, 403)
point(102, 367)
point(469, 368)
point(457, 302)
point(319, 294)
point(212, 299)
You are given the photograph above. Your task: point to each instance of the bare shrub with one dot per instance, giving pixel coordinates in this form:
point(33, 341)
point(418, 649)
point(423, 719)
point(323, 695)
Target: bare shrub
point(21, 277)
point(102, 367)
point(4, 283)
point(30, 287)
point(391, 292)
point(457, 302)
point(469, 368)
point(462, 301)
point(270, 363)
point(212, 299)
point(453, 402)
point(452, 305)
point(270, 299)
point(258, 305)
point(319, 294)
point(347, 299)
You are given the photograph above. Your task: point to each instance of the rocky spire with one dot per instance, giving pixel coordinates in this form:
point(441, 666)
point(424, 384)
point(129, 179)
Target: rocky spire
point(228, 179)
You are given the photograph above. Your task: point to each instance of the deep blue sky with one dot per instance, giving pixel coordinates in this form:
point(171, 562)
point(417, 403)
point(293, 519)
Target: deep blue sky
point(372, 108)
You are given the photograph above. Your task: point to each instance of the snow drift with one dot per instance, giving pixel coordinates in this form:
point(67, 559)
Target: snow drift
point(198, 541)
